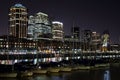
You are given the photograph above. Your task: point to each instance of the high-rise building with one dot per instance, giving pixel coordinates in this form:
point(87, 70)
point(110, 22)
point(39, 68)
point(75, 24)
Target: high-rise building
point(39, 26)
point(87, 36)
point(105, 41)
point(96, 41)
point(18, 21)
point(57, 30)
point(76, 32)
point(31, 26)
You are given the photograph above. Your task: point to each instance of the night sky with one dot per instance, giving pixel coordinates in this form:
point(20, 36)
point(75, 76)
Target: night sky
point(97, 15)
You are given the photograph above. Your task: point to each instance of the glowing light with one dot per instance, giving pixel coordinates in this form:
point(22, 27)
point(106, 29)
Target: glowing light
point(105, 39)
point(56, 22)
point(40, 13)
point(19, 5)
point(67, 58)
point(107, 75)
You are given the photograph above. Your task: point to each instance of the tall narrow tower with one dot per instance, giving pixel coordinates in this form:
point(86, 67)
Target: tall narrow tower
point(76, 32)
point(18, 21)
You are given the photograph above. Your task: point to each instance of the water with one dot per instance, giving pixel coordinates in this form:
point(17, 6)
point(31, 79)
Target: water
point(99, 74)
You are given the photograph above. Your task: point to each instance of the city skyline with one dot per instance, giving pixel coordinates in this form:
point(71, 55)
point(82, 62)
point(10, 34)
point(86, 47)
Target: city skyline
point(95, 15)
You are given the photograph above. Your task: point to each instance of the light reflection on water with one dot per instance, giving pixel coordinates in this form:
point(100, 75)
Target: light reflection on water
point(41, 78)
point(99, 74)
point(107, 75)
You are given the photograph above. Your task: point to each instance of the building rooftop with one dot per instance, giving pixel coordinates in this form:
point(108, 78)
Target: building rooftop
point(18, 6)
point(57, 22)
point(41, 13)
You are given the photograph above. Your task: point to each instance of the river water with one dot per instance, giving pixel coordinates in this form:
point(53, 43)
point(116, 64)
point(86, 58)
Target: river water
point(112, 73)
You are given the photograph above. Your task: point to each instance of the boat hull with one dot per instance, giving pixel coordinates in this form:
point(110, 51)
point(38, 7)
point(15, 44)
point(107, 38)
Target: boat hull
point(66, 69)
point(39, 71)
point(26, 74)
point(9, 74)
point(53, 70)
point(84, 67)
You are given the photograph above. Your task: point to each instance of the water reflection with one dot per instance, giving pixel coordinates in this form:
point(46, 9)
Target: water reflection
point(22, 78)
point(52, 76)
point(107, 75)
point(97, 74)
point(8, 79)
point(41, 77)
point(25, 78)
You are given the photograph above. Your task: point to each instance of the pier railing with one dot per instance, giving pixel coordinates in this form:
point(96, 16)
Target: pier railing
point(85, 55)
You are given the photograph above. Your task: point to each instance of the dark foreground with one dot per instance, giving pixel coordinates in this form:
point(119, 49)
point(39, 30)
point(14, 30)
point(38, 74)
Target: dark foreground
point(112, 73)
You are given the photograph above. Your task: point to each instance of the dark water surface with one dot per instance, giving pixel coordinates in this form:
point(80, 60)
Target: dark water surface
point(98, 74)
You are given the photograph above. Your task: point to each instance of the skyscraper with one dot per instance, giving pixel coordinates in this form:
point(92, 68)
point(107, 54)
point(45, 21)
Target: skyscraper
point(76, 32)
point(39, 26)
point(31, 26)
point(18, 21)
point(87, 35)
point(95, 41)
point(57, 30)
point(105, 41)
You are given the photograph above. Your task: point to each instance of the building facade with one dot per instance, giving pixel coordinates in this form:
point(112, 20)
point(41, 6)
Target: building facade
point(57, 30)
point(86, 37)
point(16, 45)
point(96, 41)
point(76, 32)
point(105, 42)
point(39, 26)
point(31, 26)
point(18, 21)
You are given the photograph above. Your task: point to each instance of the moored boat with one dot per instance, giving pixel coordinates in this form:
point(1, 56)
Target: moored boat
point(65, 69)
point(25, 73)
point(8, 74)
point(84, 67)
point(75, 68)
point(53, 69)
point(102, 65)
point(7, 70)
point(39, 71)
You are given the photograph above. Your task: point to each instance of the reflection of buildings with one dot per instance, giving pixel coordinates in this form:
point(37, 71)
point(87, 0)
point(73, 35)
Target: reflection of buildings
point(18, 21)
point(39, 26)
point(57, 30)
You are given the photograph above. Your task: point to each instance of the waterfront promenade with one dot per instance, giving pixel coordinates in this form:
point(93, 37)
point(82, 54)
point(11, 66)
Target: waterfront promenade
point(81, 55)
